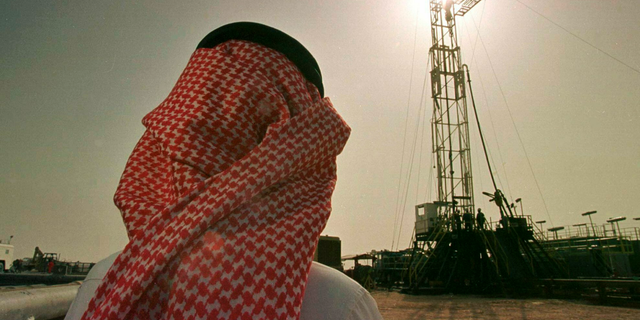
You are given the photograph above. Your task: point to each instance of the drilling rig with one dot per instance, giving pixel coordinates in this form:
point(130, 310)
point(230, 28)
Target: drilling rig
point(453, 248)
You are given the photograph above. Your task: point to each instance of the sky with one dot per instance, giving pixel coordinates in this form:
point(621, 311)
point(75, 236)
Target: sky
point(557, 91)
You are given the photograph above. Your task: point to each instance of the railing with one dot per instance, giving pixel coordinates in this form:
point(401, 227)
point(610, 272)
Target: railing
point(608, 239)
point(391, 260)
point(79, 267)
point(538, 233)
point(415, 268)
point(601, 231)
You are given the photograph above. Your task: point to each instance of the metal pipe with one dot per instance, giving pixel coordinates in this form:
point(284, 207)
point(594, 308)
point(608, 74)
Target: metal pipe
point(49, 302)
point(475, 112)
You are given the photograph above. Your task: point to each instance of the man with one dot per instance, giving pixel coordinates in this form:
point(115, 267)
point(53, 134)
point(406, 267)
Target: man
point(480, 219)
point(226, 193)
point(458, 220)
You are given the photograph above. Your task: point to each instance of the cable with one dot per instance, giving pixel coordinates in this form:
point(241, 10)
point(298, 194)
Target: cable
point(473, 53)
point(493, 127)
point(475, 112)
point(427, 193)
point(406, 125)
point(412, 157)
point(495, 134)
point(516, 129)
point(475, 43)
point(578, 37)
point(424, 125)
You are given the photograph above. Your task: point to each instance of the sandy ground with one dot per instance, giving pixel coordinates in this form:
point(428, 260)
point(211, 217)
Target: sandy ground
point(394, 305)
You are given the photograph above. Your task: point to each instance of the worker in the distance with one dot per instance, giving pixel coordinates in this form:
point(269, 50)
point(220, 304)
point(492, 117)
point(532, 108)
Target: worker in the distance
point(480, 219)
point(227, 191)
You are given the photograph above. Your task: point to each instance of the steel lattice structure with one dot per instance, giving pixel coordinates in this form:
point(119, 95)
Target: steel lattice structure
point(449, 123)
point(452, 249)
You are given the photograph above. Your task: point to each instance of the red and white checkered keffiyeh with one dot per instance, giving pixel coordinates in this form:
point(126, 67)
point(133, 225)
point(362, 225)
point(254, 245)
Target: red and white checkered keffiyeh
point(226, 193)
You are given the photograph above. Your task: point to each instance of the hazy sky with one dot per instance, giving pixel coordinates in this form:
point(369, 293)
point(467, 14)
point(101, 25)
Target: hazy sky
point(77, 77)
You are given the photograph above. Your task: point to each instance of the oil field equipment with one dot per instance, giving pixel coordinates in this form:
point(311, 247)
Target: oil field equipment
point(454, 248)
point(328, 252)
point(47, 262)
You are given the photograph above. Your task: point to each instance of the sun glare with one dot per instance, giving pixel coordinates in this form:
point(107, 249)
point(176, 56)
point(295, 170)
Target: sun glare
point(447, 5)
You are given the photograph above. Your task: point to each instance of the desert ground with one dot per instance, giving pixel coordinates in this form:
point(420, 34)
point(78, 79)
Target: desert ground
point(397, 306)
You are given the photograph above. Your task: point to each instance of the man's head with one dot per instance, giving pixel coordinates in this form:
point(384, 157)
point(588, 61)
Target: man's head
point(270, 38)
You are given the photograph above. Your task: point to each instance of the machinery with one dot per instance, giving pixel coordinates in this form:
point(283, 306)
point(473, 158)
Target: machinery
point(50, 263)
point(38, 263)
point(453, 248)
point(363, 273)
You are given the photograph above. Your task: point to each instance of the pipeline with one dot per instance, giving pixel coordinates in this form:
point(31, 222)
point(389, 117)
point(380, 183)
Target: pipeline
point(50, 302)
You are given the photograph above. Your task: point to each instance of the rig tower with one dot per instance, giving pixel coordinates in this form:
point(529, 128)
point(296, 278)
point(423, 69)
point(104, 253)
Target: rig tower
point(438, 244)
point(454, 249)
point(450, 124)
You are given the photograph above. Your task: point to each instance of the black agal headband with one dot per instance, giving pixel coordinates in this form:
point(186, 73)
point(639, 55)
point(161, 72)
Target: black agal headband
point(270, 38)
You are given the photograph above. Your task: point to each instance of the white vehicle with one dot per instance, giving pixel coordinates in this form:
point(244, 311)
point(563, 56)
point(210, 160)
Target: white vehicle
point(6, 255)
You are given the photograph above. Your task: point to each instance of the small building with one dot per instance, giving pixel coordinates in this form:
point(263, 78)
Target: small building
point(6, 256)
